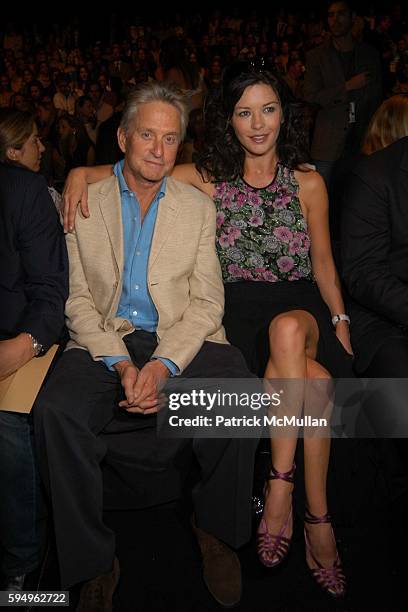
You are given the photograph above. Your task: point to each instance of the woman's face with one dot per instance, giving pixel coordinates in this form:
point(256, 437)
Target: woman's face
point(30, 153)
point(64, 129)
point(256, 119)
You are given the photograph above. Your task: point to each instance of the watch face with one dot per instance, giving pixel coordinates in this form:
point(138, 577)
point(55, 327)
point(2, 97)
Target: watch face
point(37, 347)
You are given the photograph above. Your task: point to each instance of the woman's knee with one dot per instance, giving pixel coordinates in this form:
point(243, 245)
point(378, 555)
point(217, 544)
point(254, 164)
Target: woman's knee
point(287, 334)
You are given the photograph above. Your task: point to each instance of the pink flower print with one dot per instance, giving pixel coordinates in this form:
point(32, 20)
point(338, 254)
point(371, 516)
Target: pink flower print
point(295, 245)
point(235, 271)
point(220, 219)
point(277, 204)
point(246, 275)
point(255, 221)
point(226, 201)
point(229, 235)
point(225, 241)
point(283, 234)
point(285, 263)
point(233, 191)
point(241, 199)
point(305, 246)
point(296, 275)
point(221, 189)
point(234, 231)
point(254, 199)
point(269, 276)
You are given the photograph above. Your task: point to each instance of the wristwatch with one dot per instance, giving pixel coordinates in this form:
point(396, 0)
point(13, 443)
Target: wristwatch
point(37, 347)
point(340, 317)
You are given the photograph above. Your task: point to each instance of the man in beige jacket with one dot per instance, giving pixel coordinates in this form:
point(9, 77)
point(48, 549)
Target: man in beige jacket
point(146, 303)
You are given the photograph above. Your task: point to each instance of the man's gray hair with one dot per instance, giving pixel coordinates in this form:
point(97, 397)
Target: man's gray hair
point(155, 92)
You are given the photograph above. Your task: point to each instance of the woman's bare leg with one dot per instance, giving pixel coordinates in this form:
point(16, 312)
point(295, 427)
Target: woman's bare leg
point(292, 336)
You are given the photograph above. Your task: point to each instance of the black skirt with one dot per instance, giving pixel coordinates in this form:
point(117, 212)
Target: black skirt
point(251, 306)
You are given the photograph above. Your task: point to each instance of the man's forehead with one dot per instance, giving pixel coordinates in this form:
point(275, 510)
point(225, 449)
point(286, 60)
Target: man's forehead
point(158, 116)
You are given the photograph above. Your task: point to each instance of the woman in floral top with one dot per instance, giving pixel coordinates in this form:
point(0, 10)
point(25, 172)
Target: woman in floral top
point(281, 285)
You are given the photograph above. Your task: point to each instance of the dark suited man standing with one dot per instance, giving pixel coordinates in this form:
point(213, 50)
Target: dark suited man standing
point(343, 78)
point(118, 67)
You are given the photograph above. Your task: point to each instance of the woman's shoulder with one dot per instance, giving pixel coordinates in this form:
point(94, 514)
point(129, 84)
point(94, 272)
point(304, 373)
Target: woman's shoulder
point(308, 178)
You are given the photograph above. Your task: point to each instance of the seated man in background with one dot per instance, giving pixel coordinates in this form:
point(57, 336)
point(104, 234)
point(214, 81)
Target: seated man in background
point(146, 303)
point(374, 249)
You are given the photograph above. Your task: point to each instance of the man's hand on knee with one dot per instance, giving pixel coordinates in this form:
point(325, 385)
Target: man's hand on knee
point(128, 373)
point(150, 380)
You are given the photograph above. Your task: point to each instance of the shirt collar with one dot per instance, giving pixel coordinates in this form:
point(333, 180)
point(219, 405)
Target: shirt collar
point(118, 172)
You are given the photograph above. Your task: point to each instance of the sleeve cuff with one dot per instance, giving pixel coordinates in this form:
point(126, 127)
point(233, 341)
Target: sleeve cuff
point(170, 365)
point(110, 361)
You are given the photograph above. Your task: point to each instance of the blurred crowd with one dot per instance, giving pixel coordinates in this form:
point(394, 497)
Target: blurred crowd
point(76, 87)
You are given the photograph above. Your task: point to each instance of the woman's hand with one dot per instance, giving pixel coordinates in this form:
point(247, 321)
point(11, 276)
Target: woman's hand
point(75, 192)
point(343, 334)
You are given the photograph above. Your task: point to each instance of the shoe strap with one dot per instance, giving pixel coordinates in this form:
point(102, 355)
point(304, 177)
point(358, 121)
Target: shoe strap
point(288, 476)
point(320, 567)
point(312, 519)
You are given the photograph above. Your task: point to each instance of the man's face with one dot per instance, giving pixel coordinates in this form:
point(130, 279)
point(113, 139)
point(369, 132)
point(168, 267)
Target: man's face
point(151, 144)
point(35, 92)
point(94, 93)
point(339, 19)
point(116, 52)
point(297, 69)
point(21, 103)
point(87, 111)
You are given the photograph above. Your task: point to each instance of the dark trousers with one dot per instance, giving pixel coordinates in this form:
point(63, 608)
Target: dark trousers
point(22, 520)
point(77, 417)
point(391, 361)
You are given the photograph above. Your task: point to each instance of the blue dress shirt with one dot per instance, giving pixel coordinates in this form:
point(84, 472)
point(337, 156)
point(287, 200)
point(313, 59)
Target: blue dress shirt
point(135, 303)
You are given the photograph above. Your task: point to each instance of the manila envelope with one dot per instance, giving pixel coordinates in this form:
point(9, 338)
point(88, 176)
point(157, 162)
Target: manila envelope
point(19, 390)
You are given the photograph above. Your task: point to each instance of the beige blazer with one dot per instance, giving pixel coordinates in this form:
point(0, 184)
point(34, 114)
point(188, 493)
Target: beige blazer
point(184, 276)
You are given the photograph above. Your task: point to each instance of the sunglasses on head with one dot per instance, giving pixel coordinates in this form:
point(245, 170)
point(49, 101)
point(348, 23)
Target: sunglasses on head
point(256, 65)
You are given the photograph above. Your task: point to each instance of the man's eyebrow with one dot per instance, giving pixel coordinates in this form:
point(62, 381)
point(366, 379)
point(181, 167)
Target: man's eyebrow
point(149, 129)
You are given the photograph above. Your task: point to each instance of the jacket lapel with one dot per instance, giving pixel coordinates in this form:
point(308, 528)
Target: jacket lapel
point(111, 210)
point(166, 215)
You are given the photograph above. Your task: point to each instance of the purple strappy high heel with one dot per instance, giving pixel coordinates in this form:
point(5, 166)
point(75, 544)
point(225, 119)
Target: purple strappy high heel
point(272, 549)
point(330, 579)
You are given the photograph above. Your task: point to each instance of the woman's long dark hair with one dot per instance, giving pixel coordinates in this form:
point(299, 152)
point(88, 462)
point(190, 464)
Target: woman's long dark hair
point(222, 158)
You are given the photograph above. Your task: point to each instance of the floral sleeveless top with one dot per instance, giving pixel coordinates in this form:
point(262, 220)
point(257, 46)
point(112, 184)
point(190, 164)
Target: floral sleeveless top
point(261, 233)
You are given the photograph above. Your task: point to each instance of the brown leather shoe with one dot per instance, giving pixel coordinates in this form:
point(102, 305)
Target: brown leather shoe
point(221, 569)
point(96, 594)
